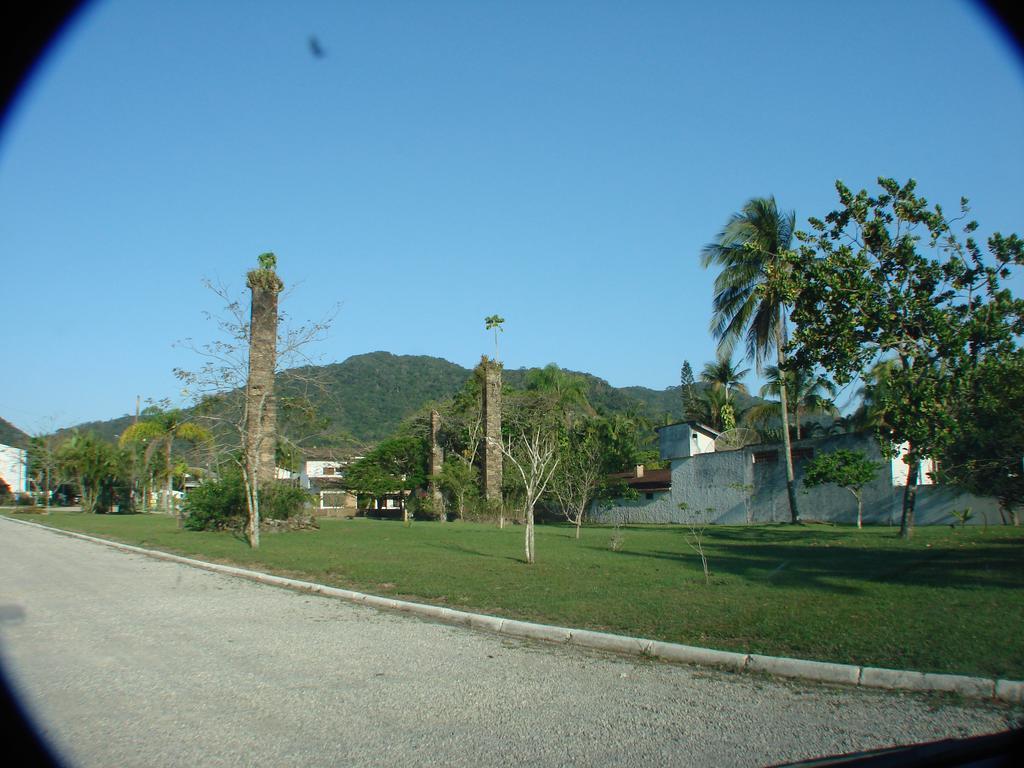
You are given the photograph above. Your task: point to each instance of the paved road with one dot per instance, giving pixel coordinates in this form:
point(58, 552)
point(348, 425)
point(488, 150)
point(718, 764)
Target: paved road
point(124, 660)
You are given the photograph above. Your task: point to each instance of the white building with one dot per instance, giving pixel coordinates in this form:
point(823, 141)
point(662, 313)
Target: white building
point(14, 468)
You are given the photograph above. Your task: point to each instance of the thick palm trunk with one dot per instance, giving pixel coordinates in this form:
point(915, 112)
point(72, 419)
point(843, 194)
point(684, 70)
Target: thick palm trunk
point(262, 414)
point(794, 512)
point(260, 409)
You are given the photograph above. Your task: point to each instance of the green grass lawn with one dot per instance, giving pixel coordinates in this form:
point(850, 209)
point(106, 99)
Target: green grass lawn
point(947, 601)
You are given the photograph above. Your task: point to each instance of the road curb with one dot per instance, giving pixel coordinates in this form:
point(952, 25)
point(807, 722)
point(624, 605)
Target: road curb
point(1008, 691)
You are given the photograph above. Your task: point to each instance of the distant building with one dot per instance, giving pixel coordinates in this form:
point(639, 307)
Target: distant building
point(14, 468)
point(323, 475)
point(747, 484)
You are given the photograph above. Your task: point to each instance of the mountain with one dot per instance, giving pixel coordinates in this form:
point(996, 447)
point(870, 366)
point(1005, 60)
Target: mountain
point(669, 401)
point(110, 429)
point(11, 435)
point(364, 399)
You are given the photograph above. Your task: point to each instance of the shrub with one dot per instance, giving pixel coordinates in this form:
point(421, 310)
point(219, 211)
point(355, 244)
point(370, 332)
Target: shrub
point(280, 502)
point(425, 507)
point(216, 504)
point(220, 503)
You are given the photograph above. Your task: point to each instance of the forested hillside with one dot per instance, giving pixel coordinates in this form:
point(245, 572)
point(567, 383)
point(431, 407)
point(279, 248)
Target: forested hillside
point(11, 435)
point(362, 400)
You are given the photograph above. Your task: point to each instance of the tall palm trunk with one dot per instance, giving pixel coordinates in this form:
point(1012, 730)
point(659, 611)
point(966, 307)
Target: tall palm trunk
point(794, 512)
point(260, 411)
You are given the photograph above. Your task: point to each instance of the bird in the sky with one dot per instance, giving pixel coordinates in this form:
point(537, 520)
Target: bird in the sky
point(314, 47)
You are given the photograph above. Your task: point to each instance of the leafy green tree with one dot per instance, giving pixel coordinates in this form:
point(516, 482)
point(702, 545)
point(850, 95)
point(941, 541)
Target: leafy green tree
point(886, 278)
point(848, 469)
point(986, 457)
point(622, 440)
point(567, 390)
point(158, 431)
point(871, 414)
point(44, 466)
point(398, 465)
point(751, 249)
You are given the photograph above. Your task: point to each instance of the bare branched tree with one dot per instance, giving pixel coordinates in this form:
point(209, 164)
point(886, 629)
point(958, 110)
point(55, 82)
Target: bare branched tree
point(578, 478)
point(530, 446)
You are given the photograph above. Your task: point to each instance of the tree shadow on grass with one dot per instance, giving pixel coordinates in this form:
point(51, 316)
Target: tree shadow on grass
point(826, 566)
point(475, 552)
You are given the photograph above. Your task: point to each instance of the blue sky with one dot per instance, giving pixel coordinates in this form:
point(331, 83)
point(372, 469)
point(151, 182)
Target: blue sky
point(558, 163)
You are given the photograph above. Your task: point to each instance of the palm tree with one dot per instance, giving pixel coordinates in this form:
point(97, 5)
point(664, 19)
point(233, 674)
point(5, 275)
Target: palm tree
point(722, 374)
point(95, 464)
point(160, 430)
point(747, 305)
point(495, 323)
point(714, 409)
point(807, 394)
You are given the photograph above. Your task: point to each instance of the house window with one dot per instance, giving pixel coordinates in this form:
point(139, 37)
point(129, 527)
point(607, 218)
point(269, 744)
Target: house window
point(802, 454)
point(766, 457)
point(328, 470)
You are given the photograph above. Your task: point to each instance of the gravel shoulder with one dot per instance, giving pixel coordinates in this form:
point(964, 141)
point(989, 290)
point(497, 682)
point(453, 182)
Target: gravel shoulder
point(126, 660)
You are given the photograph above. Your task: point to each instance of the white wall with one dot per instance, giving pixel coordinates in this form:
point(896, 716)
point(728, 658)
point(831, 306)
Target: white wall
point(901, 470)
point(702, 443)
point(14, 468)
point(731, 488)
point(315, 468)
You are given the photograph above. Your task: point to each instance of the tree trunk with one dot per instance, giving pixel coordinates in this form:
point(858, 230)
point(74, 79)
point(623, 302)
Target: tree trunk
point(168, 504)
point(493, 463)
point(909, 495)
point(261, 411)
point(529, 536)
point(794, 511)
point(860, 508)
point(579, 524)
point(252, 499)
